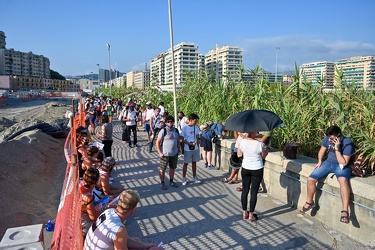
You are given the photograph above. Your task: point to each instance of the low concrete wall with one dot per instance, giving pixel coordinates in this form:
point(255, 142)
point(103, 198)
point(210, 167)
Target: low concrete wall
point(286, 180)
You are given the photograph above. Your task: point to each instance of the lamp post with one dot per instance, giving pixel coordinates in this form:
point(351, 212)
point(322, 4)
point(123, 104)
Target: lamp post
point(110, 73)
point(172, 54)
point(277, 49)
point(98, 73)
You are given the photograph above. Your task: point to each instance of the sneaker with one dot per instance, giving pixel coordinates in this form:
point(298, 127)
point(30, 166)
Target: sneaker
point(181, 155)
point(163, 186)
point(206, 165)
point(173, 184)
point(212, 167)
point(184, 182)
point(196, 180)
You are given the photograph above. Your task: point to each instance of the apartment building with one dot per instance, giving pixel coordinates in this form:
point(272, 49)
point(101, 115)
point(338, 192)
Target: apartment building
point(318, 73)
point(185, 60)
point(223, 62)
point(37, 83)
point(359, 70)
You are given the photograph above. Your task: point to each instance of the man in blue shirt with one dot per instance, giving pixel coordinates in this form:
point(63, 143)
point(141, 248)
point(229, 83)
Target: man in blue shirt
point(340, 150)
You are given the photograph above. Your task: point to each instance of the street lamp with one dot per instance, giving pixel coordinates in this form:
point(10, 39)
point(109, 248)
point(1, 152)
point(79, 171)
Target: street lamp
point(172, 54)
point(98, 73)
point(277, 49)
point(109, 66)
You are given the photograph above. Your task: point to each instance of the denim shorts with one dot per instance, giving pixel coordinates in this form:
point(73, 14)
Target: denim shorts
point(330, 167)
point(191, 156)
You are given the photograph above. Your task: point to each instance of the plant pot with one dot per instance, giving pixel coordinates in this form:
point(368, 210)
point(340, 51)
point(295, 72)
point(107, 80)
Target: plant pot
point(290, 150)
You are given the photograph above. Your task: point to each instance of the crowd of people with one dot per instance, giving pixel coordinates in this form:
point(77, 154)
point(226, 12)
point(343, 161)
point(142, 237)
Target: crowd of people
point(183, 140)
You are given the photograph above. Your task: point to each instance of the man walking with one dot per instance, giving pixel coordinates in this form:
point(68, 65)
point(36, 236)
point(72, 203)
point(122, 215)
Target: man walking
point(131, 126)
point(190, 137)
point(146, 119)
point(168, 147)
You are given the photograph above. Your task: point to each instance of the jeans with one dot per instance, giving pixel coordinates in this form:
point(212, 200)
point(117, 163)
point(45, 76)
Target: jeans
point(133, 129)
point(156, 130)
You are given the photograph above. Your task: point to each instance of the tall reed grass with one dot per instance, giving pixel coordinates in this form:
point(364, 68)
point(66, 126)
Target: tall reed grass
point(306, 110)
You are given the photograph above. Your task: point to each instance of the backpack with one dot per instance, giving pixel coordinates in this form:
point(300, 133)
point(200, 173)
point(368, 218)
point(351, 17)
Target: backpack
point(357, 164)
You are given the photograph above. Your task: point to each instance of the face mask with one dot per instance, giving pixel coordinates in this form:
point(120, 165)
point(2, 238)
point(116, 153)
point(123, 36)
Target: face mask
point(169, 126)
point(86, 143)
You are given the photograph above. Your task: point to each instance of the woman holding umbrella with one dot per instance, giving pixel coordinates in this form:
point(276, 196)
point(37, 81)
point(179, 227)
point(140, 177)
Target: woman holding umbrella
point(253, 152)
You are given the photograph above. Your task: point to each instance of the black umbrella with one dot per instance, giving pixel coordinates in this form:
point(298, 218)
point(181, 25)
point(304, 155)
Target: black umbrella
point(253, 121)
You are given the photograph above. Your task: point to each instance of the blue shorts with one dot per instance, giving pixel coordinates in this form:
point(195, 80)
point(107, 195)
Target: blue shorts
point(191, 156)
point(330, 167)
point(147, 127)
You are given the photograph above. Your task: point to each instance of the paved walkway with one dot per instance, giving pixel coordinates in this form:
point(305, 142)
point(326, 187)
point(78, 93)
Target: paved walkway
point(209, 215)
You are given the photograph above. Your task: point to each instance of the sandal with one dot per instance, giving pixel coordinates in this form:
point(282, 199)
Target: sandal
point(344, 218)
point(253, 218)
point(225, 180)
point(245, 215)
point(239, 189)
point(306, 209)
point(233, 182)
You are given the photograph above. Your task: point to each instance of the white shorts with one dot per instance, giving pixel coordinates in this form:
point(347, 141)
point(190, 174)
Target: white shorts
point(191, 156)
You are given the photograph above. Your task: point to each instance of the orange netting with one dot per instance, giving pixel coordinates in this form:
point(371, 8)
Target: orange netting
point(68, 231)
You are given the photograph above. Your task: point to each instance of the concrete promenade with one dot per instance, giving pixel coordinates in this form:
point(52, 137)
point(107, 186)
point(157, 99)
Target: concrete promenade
point(209, 215)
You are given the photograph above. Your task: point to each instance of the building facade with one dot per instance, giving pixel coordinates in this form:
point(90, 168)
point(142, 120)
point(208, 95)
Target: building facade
point(224, 62)
point(319, 73)
point(185, 60)
point(37, 83)
point(359, 70)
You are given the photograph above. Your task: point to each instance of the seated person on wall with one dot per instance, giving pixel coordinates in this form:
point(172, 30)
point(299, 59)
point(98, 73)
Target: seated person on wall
point(340, 150)
point(88, 158)
point(109, 231)
point(104, 183)
point(89, 212)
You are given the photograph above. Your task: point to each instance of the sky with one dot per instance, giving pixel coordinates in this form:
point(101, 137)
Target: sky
point(73, 33)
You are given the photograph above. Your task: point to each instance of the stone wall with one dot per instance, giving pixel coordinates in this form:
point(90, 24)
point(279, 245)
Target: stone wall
point(286, 180)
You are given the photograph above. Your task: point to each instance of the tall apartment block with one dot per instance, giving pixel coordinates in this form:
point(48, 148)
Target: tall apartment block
point(224, 61)
point(25, 64)
point(319, 72)
point(359, 70)
point(185, 59)
point(138, 78)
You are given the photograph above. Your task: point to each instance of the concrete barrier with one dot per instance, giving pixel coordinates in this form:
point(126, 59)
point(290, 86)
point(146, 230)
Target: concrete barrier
point(286, 180)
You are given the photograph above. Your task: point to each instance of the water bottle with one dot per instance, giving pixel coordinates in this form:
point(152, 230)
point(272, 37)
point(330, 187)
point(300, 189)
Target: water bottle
point(50, 225)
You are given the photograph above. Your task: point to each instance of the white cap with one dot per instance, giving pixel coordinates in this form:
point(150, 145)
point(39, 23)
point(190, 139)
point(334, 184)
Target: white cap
point(148, 103)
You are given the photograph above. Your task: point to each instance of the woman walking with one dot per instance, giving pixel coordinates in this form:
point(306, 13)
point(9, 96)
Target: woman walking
point(253, 152)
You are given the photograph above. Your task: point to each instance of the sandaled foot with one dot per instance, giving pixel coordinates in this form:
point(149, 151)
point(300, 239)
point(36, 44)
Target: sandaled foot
point(233, 181)
point(239, 189)
point(245, 215)
point(253, 217)
point(344, 217)
point(307, 207)
point(225, 180)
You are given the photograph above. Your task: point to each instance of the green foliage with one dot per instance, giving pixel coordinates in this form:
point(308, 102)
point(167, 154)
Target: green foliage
point(306, 110)
point(56, 75)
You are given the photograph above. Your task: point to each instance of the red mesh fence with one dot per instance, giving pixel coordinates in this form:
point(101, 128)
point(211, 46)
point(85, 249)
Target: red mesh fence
point(68, 231)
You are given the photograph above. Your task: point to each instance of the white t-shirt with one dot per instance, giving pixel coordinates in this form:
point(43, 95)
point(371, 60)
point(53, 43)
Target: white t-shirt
point(148, 114)
point(107, 226)
point(133, 116)
point(182, 123)
point(252, 154)
point(161, 109)
point(190, 134)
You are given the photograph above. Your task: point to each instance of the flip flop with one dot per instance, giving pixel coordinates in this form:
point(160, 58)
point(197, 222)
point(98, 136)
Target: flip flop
point(225, 180)
point(239, 189)
point(233, 182)
point(304, 209)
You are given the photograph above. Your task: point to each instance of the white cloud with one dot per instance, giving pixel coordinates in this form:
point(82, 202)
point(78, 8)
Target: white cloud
point(298, 49)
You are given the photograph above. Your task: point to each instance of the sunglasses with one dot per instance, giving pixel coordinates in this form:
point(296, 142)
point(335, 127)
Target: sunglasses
point(169, 121)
